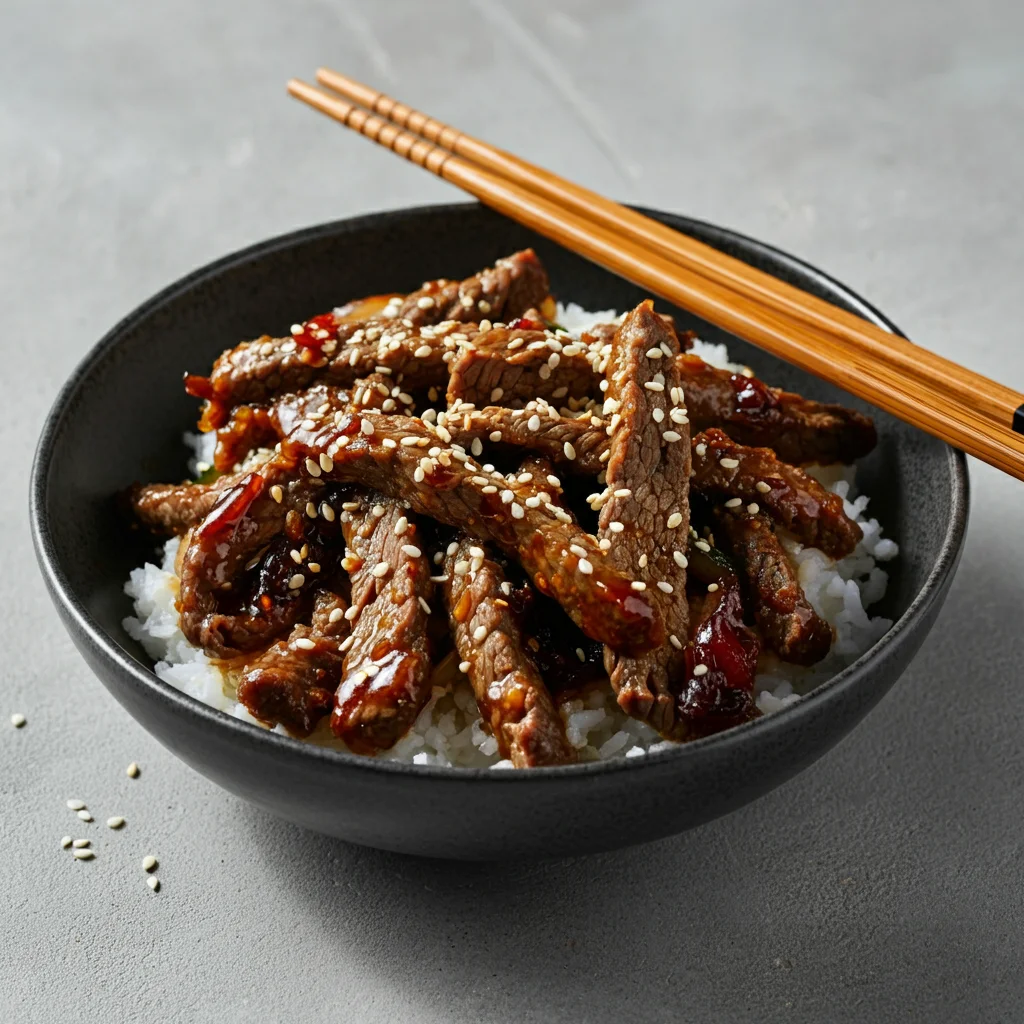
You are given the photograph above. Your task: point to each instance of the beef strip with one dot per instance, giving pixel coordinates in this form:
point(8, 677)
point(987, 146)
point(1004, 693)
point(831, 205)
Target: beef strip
point(387, 668)
point(792, 497)
point(293, 682)
point(794, 500)
point(513, 700)
point(509, 366)
point(176, 508)
point(409, 459)
point(646, 515)
point(236, 569)
point(799, 430)
point(788, 624)
point(514, 285)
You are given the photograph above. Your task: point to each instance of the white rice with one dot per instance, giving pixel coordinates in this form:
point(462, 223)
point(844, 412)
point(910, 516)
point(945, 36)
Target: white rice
point(449, 731)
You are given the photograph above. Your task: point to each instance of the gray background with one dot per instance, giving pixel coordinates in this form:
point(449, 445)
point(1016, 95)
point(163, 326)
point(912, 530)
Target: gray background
point(881, 140)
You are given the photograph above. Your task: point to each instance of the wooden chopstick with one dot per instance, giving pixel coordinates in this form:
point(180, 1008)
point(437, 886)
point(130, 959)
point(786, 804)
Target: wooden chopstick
point(1002, 404)
point(917, 400)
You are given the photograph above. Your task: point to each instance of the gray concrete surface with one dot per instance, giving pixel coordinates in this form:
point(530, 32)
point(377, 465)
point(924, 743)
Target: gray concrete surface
point(881, 140)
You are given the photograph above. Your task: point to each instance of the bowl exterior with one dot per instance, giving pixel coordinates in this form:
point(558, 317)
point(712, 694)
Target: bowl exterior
point(411, 809)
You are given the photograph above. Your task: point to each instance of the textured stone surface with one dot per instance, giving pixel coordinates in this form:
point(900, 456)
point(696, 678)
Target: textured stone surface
point(878, 140)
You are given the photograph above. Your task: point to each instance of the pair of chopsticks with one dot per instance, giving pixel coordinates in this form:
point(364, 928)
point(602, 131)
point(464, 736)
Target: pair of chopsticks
point(965, 409)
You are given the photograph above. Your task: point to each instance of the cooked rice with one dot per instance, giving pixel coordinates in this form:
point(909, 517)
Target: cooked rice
point(449, 730)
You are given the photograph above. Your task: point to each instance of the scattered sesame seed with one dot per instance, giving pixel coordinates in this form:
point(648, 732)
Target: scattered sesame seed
point(494, 435)
point(347, 643)
point(477, 447)
point(674, 520)
point(132, 771)
point(81, 844)
point(336, 614)
point(604, 544)
point(657, 414)
point(712, 587)
point(675, 642)
point(672, 436)
point(680, 559)
point(296, 581)
point(665, 588)
point(85, 815)
point(702, 545)
point(378, 511)
point(655, 353)
point(153, 883)
point(401, 526)
point(729, 463)
point(653, 385)
point(312, 468)
point(584, 565)
point(638, 585)
point(484, 306)
point(66, 842)
point(115, 822)
point(578, 551)
point(75, 805)
point(643, 561)
point(702, 449)
point(425, 302)
point(734, 503)
point(411, 550)
point(380, 570)
point(533, 423)
point(83, 854)
point(18, 720)
point(326, 462)
point(570, 452)
point(616, 527)
point(479, 633)
point(753, 508)
point(464, 667)
point(516, 510)
point(305, 644)
point(295, 556)
point(366, 426)
point(496, 394)
point(700, 670)
point(622, 492)
point(327, 512)
point(423, 352)
point(424, 605)
point(149, 862)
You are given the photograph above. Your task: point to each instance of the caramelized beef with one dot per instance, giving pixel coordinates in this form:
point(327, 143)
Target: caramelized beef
point(386, 676)
point(510, 692)
point(646, 514)
point(175, 508)
point(788, 624)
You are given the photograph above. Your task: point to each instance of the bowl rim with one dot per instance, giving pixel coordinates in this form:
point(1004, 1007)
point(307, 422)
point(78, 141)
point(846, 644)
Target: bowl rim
point(58, 419)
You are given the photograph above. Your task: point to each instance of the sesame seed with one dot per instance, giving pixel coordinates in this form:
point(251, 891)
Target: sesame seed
point(533, 423)
point(712, 587)
point(83, 854)
point(729, 463)
point(623, 492)
point(657, 414)
point(464, 667)
point(115, 822)
point(753, 508)
point(327, 512)
point(680, 559)
point(296, 581)
point(461, 567)
point(132, 771)
point(80, 844)
point(675, 642)
point(655, 353)
point(544, 372)
point(326, 462)
point(75, 805)
point(700, 670)
point(312, 468)
point(425, 302)
point(479, 633)
point(578, 551)
point(304, 644)
point(702, 449)
point(762, 487)
point(672, 436)
point(674, 520)
point(380, 570)
point(554, 481)
point(411, 550)
point(485, 307)
point(496, 394)
point(570, 452)
point(401, 526)
point(424, 605)
point(665, 588)
point(494, 435)
point(18, 720)
point(153, 883)
point(366, 426)
point(295, 556)
point(638, 585)
point(336, 614)
point(734, 503)
point(584, 565)
point(653, 385)
point(604, 544)
point(308, 424)
point(66, 842)
point(517, 511)
point(643, 561)
point(85, 815)
point(422, 352)
point(506, 588)
point(477, 447)
point(347, 643)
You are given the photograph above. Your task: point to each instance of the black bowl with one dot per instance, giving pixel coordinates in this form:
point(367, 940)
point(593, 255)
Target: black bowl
point(120, 418)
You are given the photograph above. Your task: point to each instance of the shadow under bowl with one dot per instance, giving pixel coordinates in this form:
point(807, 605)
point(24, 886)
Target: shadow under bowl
point(120, 418)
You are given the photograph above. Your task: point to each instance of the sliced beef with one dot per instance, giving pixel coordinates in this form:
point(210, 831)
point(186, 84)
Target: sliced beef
point(800, 431)
point(646, 515)
point(514, 285)
point(509, 366)
point(788, 624)
point(386, 678)
point(756, 477)
point(294, 681)
point(411, 460)
point(513, 700)
point(176, 508)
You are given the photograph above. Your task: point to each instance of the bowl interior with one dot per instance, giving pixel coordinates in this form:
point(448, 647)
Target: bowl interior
point(121, 417)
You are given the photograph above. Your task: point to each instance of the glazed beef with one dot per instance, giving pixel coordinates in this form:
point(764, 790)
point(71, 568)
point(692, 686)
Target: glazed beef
point(176, 508)
point(645, 516)
point(293, 682)
point(788, 624)
point(387, 667)
point(513, 700)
